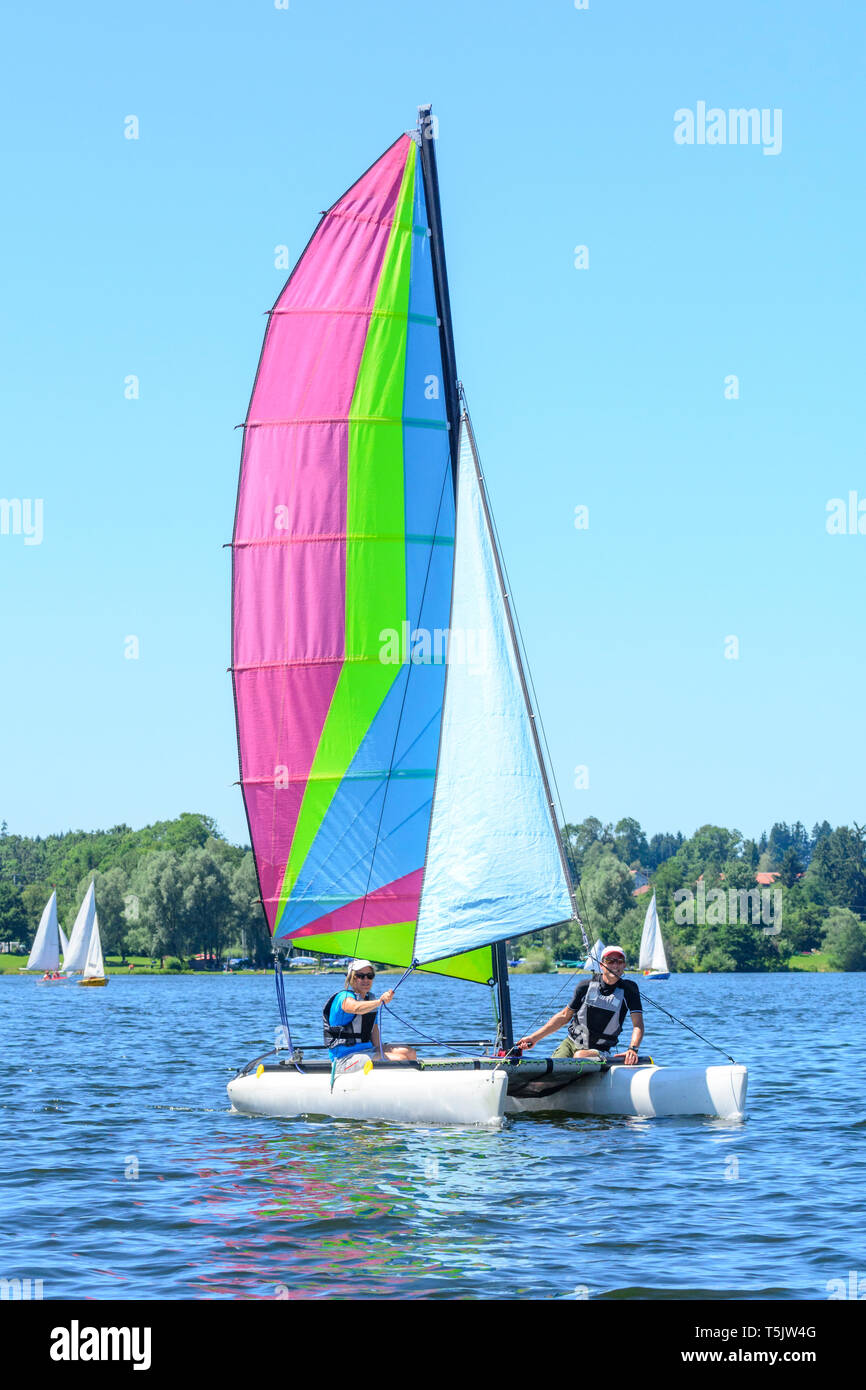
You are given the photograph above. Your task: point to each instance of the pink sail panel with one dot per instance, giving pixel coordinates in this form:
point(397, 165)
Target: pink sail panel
point(395, 902)
point(288, 630)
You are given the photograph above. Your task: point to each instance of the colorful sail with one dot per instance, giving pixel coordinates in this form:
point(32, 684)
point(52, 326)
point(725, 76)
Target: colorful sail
point(343, 559)
point(495, 868)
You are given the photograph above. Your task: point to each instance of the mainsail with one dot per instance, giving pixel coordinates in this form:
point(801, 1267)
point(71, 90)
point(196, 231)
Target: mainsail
point(45, 952)
point(75, 958)
point(392, 813)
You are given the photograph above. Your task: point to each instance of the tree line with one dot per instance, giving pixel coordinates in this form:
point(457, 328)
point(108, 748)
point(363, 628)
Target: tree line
point(817, 879)
point(176, 888)
point(179, 888)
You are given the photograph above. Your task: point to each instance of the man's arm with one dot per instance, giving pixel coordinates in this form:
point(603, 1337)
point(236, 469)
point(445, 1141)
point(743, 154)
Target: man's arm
point(558, 1021)
point(636, 1035)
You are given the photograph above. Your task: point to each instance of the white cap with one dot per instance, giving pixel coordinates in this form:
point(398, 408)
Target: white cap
point(613, 951)
point(360, 965)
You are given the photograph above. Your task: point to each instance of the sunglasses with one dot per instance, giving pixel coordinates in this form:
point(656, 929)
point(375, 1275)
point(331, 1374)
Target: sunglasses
point(364, 975)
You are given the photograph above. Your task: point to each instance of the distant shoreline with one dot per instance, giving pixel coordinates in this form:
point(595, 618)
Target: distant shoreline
point(804, 965)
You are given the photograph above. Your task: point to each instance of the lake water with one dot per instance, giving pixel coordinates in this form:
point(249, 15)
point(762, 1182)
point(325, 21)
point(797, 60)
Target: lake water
point(125, 1175)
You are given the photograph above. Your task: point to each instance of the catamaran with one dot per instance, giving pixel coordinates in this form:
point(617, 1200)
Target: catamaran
point(49, 944)
point(652, 960)
point(395, 789)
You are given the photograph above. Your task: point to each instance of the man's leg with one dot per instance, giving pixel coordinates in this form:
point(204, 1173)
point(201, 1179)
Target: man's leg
point(566, 1048)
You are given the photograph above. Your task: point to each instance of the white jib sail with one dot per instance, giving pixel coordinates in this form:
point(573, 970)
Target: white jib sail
point(94, 968)
point(45, 954)
point(652, 947)
point(76, 957)
point(494, 867)
point(64, 944)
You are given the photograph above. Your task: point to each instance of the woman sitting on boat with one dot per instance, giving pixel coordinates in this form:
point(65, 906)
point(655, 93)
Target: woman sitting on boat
point(350, 1017)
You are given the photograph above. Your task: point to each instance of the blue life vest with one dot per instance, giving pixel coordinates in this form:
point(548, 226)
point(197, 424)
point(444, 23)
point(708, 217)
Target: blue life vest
point(353, 1034)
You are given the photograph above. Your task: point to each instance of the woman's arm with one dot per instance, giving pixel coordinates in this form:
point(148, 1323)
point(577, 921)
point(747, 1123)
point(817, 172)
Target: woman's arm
point(366, 1006)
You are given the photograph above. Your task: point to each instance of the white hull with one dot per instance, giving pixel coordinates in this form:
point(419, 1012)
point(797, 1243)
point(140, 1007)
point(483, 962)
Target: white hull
point(465, 1096)
point(645, 1090)
point(407, 1097)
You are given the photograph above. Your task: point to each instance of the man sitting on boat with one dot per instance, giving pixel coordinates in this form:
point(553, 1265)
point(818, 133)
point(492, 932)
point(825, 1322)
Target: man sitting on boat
point(350, 1017)
point(597, 1013)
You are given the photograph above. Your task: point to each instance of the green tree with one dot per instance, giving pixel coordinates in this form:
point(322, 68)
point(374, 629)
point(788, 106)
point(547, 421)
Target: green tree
point(206, 897)
point(158, 885)
point(607, 889)
point(630, 843)
point(845, 940)
point(13, 914)
point(839, 867)
point(249, 921)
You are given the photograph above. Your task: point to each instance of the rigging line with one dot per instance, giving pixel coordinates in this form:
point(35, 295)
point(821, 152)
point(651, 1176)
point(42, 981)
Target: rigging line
point(406, 973)
point(281, 1005)
point(445, 477)
point(414, 1028)
point(683, 1024)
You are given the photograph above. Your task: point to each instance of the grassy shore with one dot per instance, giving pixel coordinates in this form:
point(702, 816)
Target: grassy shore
point(10, 965)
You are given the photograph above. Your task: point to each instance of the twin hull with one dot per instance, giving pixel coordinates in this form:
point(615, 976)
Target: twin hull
point(458, 1094)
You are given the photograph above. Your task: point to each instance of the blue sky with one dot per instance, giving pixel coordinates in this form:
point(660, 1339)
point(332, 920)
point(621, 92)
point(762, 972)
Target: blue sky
point(602, 387)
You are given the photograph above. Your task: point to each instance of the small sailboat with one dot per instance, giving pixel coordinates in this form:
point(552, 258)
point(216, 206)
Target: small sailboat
point(48, 945)
point(395, 789)
point(85, 946)
point(94, 966)
point(593, 960)
point(653, 961)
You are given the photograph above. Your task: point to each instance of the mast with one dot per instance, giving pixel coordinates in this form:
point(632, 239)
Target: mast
point(429, 173)
point(523, 685)
point(503, 994)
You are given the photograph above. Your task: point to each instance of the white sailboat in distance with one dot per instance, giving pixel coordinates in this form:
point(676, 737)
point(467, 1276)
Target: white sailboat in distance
point(653, 961)
point(48, 944)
